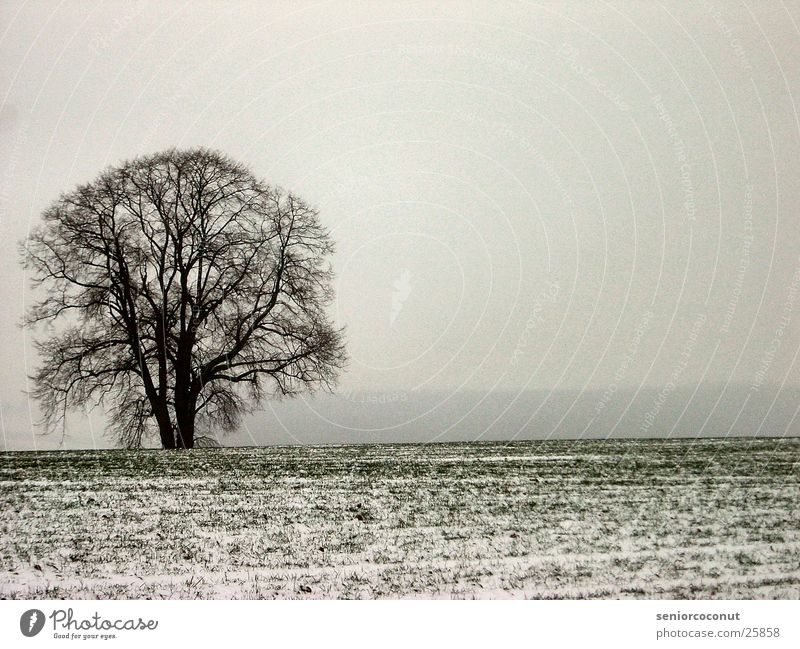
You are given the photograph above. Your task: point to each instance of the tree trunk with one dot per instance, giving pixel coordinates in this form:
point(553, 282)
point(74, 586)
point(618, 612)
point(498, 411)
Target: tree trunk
point(167, 436)
point(184, 432)
point(184, 423)
point(185, 401)
point(165, 429)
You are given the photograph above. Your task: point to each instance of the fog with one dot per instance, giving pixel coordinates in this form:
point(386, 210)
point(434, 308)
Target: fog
point(561, 219)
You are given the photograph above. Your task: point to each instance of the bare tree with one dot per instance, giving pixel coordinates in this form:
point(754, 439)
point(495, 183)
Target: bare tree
point(185, 292)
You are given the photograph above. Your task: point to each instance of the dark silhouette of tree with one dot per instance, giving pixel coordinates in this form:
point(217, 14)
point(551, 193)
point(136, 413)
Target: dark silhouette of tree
point(185, 291)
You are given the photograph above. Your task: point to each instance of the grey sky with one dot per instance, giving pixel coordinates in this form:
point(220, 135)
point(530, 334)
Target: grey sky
point(526, 197)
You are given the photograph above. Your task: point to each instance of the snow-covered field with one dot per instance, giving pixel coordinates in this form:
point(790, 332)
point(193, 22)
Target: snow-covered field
point(677, 519)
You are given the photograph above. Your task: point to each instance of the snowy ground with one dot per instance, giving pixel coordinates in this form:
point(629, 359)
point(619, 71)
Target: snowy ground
point(611, 519)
